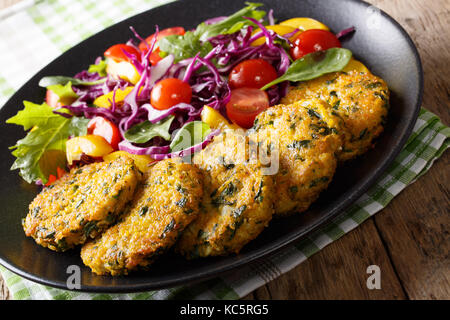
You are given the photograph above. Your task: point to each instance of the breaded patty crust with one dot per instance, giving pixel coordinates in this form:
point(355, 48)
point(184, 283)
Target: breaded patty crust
point(238, 200)
point(306, 136)
point(165, 203)
point(361, 100)
point(81, 204)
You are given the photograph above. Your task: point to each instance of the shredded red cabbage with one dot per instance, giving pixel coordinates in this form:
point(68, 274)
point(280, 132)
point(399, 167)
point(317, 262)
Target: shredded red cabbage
point(345, 32)
point(206, 75)
point(155, 115)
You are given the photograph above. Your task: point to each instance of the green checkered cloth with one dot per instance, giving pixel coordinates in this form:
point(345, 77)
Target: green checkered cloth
point(51, 27)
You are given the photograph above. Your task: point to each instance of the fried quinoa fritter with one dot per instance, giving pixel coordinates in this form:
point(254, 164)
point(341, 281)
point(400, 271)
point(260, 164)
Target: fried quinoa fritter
point(238, 200)
point(165, 203)
point(306, 136)
point(81, 204)
point(361, 100)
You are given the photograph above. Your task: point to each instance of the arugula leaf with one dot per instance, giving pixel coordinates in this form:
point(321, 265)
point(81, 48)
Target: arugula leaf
point(99, 68)
point(193, 42)
point(63, 80)
point(50, 132)
point(314, 65)
point(231, 22)
point(35, 115)
point(183, 47)
point(189, 135)
point(144, 131)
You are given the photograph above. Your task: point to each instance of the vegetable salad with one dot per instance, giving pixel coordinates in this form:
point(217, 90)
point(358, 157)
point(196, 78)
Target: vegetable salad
point(168, 94)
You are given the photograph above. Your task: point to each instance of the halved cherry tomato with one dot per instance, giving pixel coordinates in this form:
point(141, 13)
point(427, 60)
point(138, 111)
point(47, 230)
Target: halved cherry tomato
point(313, 40)
point(52, 99)
point(169, 92)
point(245, 104)
point(154, 56)
point(116, 52)
point(253, 73)
point(102, 127)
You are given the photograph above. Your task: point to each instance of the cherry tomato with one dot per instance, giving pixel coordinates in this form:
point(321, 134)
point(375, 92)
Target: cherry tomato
point(154, 56)
point(169, 92)
point(313, 40)
point(102, 127)
point(245, 104)
point(52, 99)
point(253, 73)
point(116, 52)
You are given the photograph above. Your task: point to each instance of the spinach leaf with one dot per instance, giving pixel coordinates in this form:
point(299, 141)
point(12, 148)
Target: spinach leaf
point(314, 65)
point(99, 68)
point(189, 135)
point(62, 80)
point(145, 131)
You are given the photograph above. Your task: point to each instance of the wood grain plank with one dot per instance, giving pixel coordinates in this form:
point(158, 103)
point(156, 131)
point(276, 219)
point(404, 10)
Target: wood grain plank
point(415, 230)
point(428, 24)
point(415, 226)
point(339, 271)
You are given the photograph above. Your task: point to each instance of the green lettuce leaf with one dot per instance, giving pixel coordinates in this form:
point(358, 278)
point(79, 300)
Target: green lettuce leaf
point(49, 134)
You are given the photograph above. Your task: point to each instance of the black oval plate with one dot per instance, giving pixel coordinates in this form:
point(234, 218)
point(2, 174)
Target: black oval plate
point(379, 42)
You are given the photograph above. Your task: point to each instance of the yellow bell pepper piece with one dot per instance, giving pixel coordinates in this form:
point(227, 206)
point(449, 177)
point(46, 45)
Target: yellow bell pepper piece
point(215, 120)
point(141, 161)
point(355, 65)
point(279, 29)
point(91, 145)
point(123, 70)
point(104, 100)
point(304, 24)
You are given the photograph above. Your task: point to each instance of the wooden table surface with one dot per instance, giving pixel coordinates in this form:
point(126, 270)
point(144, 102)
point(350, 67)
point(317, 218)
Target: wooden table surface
point(409, 240)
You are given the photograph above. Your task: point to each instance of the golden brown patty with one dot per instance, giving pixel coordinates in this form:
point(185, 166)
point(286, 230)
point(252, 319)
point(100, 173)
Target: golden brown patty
point(238, 201)
point(306, 136)
point(165, 203)
point(361, 100)
point(81, 204)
